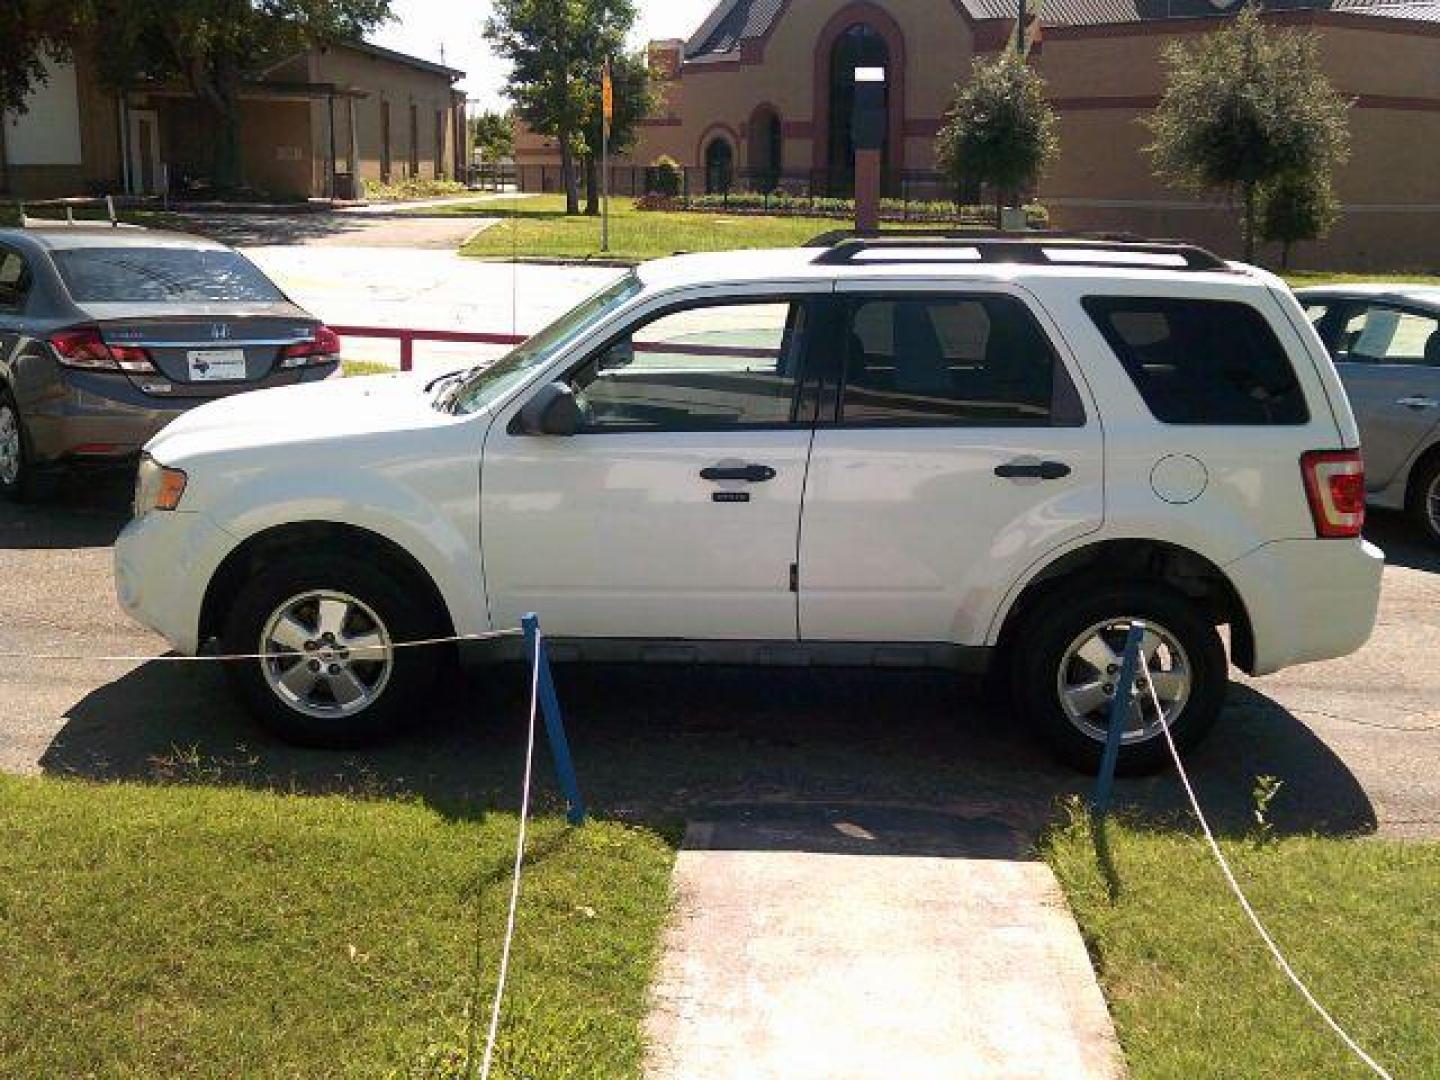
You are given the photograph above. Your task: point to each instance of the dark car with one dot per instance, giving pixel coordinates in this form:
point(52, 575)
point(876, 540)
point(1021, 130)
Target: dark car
point(1386, 343)
point(107, 334)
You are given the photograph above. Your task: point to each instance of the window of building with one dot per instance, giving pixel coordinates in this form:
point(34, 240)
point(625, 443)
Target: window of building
point(719, 166)
point(414, 141)
point(968, 360)
point(1201, 361)
point(385, 162)
point(697, 368)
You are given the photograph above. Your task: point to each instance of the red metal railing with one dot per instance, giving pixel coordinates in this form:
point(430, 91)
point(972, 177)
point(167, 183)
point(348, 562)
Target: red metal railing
point(408, 337)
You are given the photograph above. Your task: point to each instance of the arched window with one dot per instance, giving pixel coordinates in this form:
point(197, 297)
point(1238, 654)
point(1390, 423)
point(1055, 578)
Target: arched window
point(719, 166)
point(858, 46)
point(766, 146)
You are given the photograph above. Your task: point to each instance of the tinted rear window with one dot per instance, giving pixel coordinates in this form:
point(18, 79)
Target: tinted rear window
point(148, 275)
point(1201, 361)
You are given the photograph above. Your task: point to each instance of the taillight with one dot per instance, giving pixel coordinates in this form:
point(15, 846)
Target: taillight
point(85, 348)
point(323, 348)
point(1335, 486)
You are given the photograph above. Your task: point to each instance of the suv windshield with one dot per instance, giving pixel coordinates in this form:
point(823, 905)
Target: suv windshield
point(158, 274)
point(483, 387)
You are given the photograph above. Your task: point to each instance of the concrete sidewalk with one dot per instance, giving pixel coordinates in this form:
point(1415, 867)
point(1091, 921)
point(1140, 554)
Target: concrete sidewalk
point(848, 944)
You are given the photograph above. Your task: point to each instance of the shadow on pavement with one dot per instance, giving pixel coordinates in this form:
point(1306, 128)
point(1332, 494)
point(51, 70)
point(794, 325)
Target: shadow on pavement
point(248, 229)
point(1400, 538)
point(88, 511)
point(661, 745)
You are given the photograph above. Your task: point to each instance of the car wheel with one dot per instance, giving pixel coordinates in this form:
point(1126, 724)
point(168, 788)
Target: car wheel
point(19, 482)
point(1425, 499)
point(328, 674)
point(1066, 661)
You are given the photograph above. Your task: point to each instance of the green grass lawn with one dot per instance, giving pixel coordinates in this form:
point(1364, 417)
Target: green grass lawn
point(1195, 995)
point(187, 930)
point(539, 228)
point(1298, 279)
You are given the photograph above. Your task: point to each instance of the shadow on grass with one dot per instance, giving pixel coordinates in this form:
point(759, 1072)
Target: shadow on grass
point(894, 753)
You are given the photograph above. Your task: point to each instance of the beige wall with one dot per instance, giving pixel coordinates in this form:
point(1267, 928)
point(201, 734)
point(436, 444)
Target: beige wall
point(386, 82)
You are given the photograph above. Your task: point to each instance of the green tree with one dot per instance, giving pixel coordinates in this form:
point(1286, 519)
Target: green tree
point(1244, 107)
point(634, 100)
point(1296, 207)
point(493, 134)
point(555, 49)
point(215, 45)
point(1000, 130)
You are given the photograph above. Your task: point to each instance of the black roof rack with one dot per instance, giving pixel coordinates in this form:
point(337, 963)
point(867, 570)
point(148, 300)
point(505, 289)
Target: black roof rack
point(1032, 249)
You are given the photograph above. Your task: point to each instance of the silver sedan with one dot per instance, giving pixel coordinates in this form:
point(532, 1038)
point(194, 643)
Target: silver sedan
point(1386, 343)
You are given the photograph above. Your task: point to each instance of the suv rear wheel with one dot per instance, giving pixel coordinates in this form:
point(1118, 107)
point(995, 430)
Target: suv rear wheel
point(1066, 662)
point(329, 675)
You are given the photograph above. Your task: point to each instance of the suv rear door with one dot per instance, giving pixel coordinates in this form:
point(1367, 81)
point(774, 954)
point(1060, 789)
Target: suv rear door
point(956, 445)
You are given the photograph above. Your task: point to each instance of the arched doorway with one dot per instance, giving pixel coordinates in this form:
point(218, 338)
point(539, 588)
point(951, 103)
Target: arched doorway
point(719, 166)
point(859, 45)
point(766, 147)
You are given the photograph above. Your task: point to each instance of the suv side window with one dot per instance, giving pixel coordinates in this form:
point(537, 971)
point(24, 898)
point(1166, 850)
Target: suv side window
point(697, 368)
point(14, 281)
point(1201, 361)
point(974, 360)
point(1379, 334)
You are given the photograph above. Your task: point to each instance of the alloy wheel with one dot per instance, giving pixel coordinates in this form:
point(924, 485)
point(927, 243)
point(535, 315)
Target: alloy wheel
point(326, 654)
point(1431, 503)
point(9, 444)
point(1090, 668)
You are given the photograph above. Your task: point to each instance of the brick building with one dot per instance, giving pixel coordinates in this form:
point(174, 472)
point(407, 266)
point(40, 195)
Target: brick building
point(758, 97)
point(306, 124)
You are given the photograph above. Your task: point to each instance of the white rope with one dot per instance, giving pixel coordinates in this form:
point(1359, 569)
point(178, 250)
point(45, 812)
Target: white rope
point(515, 874)
point(1245, 903)
point(145, 659)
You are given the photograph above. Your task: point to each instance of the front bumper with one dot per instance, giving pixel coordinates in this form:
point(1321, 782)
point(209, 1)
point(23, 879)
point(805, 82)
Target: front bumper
point(1308, 599)
point(164, 562)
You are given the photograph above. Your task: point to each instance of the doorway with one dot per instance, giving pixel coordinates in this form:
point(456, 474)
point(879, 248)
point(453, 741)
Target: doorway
point(144, 142)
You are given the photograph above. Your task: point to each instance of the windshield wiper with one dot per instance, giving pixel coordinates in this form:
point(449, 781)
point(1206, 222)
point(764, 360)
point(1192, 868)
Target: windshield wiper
point(443, 377)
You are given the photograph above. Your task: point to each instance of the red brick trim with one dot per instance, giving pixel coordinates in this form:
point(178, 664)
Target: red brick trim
point(879, 20)
point(1149, 101)
point(659, 121)
point(1307, 17)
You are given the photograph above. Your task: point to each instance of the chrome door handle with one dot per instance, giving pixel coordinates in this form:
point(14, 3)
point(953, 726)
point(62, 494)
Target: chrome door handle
point(1417, 402)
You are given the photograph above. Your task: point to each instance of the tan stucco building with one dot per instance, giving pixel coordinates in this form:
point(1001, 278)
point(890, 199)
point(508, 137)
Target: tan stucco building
point(307, 123)
point(756, 98)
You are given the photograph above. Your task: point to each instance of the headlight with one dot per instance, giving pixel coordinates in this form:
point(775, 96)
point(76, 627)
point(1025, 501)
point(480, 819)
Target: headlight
point(157, 487)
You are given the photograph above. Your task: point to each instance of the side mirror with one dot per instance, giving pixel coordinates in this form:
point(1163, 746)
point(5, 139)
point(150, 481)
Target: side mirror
point(552, 411)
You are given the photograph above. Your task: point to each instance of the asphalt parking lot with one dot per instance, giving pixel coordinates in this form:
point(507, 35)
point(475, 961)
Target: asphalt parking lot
point(1357, 741)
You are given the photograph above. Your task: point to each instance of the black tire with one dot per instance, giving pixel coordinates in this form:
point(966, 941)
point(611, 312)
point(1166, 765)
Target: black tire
point(27, 484)
point(405, 613)
point(1047, 632)
point(1425, 498)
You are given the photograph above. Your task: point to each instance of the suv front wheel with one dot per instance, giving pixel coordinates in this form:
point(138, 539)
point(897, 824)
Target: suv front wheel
point(1066, 664)
point(328, 674)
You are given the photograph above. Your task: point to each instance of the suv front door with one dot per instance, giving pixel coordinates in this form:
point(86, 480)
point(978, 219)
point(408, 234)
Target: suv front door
point(674, 511)
point(953, 450)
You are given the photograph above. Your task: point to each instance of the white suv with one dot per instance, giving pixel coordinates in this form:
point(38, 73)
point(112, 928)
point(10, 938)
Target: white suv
point(897, 452)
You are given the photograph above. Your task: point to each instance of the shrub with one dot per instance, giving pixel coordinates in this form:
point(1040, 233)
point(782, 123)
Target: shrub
point(663, 177)
point(413, 188)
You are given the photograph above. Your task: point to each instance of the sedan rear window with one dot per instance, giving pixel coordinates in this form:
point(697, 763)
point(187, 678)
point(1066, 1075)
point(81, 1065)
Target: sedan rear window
point(1201, 361)
point(162, 275)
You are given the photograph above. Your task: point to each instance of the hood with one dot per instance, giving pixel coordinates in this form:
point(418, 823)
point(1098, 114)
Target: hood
point(298, 416)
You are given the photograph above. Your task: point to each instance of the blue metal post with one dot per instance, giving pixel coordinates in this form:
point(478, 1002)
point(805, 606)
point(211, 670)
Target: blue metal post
point(554, 722)
point(1119, 707)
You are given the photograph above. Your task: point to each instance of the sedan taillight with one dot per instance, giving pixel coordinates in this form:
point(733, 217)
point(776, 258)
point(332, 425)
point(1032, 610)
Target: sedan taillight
point(85, 348)
point(323, 348)
point(1335, 486)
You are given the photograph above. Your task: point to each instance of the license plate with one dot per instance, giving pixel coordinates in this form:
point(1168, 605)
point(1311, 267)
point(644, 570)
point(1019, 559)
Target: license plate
point(214, 365)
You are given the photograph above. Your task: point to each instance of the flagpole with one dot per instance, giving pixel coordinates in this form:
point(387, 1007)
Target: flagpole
point(605, 114)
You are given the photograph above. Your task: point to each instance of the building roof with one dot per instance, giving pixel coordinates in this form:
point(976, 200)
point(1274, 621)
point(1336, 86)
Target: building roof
point(402, 58)
point(734, 21)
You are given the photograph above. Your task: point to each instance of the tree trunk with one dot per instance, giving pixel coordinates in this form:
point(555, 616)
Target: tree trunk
point(999, 209)
point(1250, 223)
point(1285, 255)
point(592, 186)
point(567, 175)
